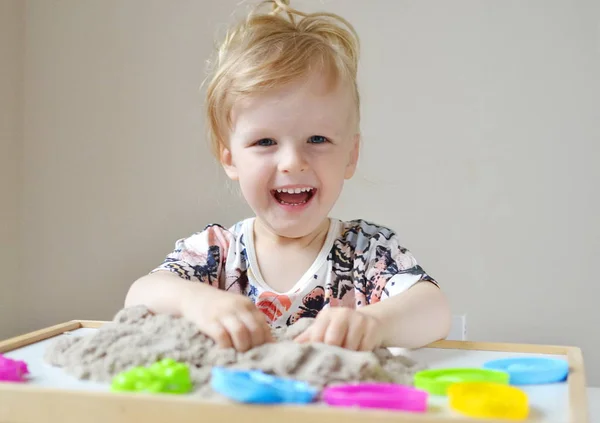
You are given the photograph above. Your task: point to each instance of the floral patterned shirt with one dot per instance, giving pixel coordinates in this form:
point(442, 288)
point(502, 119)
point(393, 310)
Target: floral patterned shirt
point(360, 263)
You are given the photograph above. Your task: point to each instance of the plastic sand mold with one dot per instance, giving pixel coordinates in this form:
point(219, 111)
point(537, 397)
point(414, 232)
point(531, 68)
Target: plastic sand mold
point(165, 376)
point(253, 386)
point(12, 370)
point(437, 381)
point(488, 400)
point(376, 395)
point(531, 370)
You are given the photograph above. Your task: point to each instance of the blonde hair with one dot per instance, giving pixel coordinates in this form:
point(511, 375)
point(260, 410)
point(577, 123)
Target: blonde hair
point(268, 50)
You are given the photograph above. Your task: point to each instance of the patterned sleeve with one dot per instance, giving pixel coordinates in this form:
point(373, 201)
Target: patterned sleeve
point(200, 257)
point(391, 269)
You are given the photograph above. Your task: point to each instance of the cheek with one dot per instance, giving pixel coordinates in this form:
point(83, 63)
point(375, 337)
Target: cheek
point(254, 174)
point(333, 162)
point(331, 173)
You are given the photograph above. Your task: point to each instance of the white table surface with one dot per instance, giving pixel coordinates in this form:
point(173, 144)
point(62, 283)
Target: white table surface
point(594, 403)
point(549, 403)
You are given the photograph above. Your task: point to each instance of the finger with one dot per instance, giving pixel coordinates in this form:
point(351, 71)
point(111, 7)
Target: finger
point(319, 328)
point(303, 337)
point(267, 333)
point(337, 330)
point(255, 328)
point(219, 334)
point(238, 331)
point(264, 325)
point(369, 339)
point(356, 331)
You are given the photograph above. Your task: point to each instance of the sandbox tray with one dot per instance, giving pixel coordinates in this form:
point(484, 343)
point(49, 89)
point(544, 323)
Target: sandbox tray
point(52, 396)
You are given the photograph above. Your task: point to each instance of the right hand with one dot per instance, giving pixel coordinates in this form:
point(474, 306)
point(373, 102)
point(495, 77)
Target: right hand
point(231, 320)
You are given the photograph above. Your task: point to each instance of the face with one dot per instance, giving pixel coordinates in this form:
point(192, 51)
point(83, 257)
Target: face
point(291, 150)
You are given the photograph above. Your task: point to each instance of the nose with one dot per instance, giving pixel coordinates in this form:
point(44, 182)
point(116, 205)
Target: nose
point(292, 160)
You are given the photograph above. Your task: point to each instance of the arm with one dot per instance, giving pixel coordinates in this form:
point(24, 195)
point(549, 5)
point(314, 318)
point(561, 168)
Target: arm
point(230, 319)
point(420, 315)
point(187, 272)
point(186, 285)
point(402, 305)
point(163, 292)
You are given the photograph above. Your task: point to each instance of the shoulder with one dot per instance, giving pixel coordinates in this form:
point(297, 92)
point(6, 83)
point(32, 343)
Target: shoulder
point(370, 242)
point(362, 234)
point(213, 235)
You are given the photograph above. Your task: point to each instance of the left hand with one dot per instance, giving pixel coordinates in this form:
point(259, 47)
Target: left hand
point(346, 328)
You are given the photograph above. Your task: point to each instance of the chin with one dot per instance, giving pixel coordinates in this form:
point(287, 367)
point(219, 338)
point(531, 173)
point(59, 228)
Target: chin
point(296, 228)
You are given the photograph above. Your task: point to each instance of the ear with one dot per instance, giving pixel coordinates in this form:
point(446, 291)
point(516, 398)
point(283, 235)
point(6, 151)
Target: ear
point(228, 165)
point(353, 159)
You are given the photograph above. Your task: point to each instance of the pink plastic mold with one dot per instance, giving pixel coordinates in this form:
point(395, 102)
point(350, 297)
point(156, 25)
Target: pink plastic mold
point(12, 370)
point(377, 395)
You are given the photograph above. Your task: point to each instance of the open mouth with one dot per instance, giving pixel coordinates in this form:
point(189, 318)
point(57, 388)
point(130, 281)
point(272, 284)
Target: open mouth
point(293, 196)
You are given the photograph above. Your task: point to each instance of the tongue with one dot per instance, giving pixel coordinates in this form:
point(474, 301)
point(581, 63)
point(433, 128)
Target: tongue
point(286, 197)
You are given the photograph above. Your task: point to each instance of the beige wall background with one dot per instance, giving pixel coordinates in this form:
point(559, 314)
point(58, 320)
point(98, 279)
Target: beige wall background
point(11, 115)
point(481, 142)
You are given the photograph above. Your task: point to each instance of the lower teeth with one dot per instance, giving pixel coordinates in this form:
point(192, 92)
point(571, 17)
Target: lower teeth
point(293, 204)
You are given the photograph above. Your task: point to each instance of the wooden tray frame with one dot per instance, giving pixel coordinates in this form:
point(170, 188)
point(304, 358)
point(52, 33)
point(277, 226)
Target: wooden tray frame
point(22, 403)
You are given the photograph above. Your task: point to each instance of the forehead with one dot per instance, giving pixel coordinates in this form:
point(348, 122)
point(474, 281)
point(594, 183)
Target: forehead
point(315, 99)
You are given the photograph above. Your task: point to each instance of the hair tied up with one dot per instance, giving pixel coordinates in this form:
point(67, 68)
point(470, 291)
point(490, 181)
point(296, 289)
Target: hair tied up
point(283, 6)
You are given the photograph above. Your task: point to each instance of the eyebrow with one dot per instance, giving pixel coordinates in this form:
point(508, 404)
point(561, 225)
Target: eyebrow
point(255, 132)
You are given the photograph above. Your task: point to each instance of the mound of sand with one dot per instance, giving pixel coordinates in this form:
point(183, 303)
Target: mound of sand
point(137, 337)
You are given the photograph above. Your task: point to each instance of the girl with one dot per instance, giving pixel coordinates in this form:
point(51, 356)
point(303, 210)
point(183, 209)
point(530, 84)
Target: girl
point(283, 113)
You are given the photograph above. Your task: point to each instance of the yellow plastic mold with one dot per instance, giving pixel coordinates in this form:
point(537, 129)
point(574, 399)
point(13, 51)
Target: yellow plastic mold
point(488, 400)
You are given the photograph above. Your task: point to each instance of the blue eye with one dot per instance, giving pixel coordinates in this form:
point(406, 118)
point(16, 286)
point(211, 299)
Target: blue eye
point(265, 142)
point(317, 139)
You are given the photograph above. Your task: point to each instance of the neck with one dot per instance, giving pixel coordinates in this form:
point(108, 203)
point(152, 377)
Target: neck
point(265, 235)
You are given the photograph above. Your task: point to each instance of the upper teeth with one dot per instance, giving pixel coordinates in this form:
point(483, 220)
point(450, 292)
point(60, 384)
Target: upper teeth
point(294, 190)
